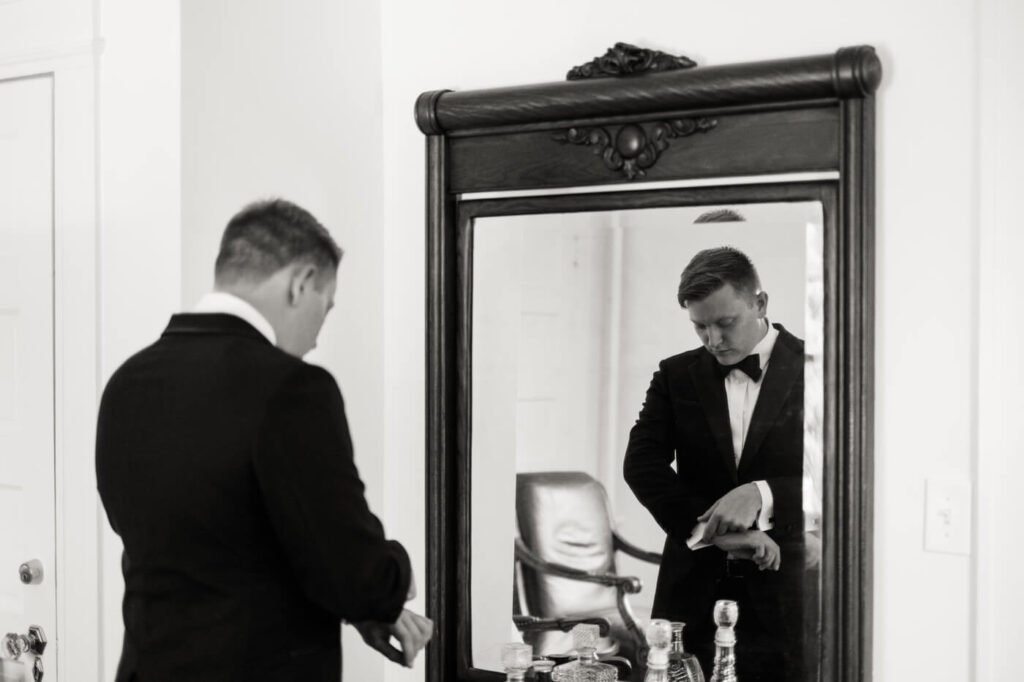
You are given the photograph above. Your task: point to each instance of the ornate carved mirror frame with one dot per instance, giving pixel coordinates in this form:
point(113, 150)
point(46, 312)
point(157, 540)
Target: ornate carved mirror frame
point(639, 117)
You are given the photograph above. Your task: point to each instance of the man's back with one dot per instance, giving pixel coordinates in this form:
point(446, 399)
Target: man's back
point(225, 465)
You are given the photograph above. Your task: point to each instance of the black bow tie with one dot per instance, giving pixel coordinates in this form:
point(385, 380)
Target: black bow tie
point(750, 365)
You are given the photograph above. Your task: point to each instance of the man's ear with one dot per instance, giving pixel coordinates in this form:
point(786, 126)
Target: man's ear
point(761, 299)
point(303, 278)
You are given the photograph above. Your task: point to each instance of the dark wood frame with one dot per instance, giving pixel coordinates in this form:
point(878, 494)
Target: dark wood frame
point(795, 115)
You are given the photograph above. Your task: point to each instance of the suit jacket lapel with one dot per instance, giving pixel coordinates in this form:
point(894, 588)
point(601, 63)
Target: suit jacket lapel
point(711, 391)
point(784, 368)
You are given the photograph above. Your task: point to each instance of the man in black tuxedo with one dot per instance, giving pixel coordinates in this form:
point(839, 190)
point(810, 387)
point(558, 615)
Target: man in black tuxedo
point(730, 415)
point(224, 462)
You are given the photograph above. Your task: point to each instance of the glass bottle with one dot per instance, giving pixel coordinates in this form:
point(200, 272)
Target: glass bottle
point(589, 669)
point(727, 612)
point(542, 669)
point(659, 637)
point(516, 659)
point(584, 636)
point(682, 667)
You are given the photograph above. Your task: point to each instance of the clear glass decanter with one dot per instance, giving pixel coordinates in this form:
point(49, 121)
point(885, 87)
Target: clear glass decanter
point(589, 669)
point(682, 666)
point(659, 638)
point(542, 669)
point(583, 635)
point(726, 614)
point(516, 658)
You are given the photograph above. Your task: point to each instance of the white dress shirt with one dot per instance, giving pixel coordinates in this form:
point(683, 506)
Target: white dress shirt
point(223, 302)
point(741, 394)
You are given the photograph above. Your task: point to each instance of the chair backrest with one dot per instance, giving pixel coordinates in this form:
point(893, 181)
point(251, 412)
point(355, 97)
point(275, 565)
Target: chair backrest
point(563, 517)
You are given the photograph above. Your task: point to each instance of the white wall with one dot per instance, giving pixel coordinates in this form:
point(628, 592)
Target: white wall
point(43, 27)
point(140, 217)
point(284, 99)
point(927, 227)
point(1000, 465)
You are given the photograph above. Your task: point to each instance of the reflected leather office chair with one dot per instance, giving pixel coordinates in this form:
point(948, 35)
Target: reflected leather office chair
point(565, 563)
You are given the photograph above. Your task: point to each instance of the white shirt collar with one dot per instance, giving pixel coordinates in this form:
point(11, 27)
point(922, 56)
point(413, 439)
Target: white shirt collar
point(223, 302)
point(765, 345)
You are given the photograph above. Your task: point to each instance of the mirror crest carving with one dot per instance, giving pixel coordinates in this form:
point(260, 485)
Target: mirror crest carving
point(623, 59)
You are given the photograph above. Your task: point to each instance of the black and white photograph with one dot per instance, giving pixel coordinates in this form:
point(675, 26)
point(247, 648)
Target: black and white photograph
point(450, 341)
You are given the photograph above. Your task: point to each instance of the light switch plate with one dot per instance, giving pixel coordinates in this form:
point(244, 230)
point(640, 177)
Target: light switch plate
point(947, 521)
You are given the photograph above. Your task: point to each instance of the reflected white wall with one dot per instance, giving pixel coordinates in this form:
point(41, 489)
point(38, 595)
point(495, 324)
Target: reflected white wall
point(498, 305)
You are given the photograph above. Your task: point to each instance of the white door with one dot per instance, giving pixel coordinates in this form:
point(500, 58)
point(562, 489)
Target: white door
point(27, 516)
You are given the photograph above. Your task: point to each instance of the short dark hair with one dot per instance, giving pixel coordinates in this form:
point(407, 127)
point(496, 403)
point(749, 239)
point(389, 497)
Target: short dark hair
point(268, 235)
point(712, 269)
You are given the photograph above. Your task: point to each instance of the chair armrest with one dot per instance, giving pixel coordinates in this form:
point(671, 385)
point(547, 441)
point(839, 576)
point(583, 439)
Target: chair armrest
point(623, 545)
point(533, 623)
point(628, 584)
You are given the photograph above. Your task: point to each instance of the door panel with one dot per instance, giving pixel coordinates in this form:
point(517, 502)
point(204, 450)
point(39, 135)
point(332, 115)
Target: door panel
point(27, 510)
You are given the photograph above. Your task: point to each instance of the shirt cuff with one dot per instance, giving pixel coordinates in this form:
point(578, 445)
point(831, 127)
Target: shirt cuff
point(694, 542)
point(764, 518)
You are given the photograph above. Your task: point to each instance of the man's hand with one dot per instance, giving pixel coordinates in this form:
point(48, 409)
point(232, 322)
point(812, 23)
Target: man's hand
point(755, 545)
point(411, 630)
point(734, 512)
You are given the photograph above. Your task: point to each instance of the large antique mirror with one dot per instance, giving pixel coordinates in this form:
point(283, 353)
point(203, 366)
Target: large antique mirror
point(560, 217)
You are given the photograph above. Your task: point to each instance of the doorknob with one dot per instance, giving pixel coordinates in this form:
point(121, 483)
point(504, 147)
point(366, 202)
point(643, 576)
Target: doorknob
point(14, 645)
point(31, 572)
point(36, 640)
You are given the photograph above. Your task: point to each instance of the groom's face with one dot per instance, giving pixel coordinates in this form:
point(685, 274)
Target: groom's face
point(729, 322)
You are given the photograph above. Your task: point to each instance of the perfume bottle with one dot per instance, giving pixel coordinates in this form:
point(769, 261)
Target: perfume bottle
point(542, 669)
point(589, 669)
point(516, 658)
point(583, 635)
point(659, 639)
point(586, 667)
point(682, 666)
point(726, 614)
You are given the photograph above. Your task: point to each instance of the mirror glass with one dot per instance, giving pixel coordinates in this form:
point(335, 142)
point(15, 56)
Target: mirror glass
point(571, 315)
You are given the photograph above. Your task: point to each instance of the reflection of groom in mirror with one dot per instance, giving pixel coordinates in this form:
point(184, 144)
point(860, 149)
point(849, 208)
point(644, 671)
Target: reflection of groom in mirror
point(730, 414)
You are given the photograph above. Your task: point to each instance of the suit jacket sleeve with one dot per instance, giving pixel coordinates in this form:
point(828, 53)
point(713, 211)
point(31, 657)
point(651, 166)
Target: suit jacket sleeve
point(315, 500)
point(788, 512)
point(674, 502)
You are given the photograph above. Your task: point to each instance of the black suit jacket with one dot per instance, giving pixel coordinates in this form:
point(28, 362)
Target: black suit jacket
point(226, 467)
point(685, 418)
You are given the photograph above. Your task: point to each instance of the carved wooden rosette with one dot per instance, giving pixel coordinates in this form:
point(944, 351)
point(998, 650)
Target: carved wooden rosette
point(634, 147)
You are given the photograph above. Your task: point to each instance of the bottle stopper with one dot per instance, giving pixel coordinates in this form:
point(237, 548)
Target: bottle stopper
point(726, 613)
point(584, 636)
point(659, 637)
